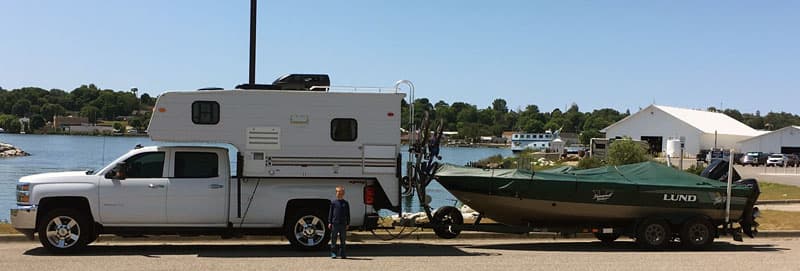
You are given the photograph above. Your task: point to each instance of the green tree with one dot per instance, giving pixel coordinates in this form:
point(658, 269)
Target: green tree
point(626, 151)
point(147, 100)
point(499, 105)
point(586, 136)
point(138, 123)
point(37, 122)
point(119, 127)
point(9, 123)
point(90, 112)
point(21, 108)
point(50, 110)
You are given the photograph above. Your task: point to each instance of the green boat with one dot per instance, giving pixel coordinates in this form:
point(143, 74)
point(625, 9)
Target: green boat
point(650, 202)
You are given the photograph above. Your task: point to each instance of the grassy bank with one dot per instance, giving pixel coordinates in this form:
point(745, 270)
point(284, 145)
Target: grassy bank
point(773, 191)
point(779, 220)
point(7, 229)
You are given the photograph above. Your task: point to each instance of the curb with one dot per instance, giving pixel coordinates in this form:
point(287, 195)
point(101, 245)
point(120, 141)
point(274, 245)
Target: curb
point(366, 236)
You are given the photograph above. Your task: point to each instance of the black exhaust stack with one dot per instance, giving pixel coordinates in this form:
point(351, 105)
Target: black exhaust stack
point(252, 80)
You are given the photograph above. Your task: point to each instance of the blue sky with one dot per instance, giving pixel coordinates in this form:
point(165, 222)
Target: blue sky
point(617, 54)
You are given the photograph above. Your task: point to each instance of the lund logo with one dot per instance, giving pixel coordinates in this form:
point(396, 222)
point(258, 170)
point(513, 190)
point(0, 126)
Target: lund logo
point(680, 197)
point(602, 195)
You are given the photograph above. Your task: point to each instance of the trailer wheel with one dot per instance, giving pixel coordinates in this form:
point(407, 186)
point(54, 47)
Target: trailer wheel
point(607, 238)
point(306, 229)
point(443, 219)
point(653, 234)
point(697, 234)
point(64, 231)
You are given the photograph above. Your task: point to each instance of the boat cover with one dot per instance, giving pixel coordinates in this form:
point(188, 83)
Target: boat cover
point(645, 173)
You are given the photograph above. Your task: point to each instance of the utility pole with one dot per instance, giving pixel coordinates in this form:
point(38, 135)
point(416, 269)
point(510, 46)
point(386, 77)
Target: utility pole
point(252, 80)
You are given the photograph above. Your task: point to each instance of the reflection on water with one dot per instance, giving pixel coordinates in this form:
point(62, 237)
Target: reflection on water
point(52, 153)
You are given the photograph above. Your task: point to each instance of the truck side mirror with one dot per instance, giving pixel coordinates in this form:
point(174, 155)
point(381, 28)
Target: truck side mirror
point(119, 172)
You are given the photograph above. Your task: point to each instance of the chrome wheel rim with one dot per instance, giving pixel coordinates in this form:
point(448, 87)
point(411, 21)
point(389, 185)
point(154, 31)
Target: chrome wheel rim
point(698, 233)
point(655, 234)
point(309, 230)
point(63, 232)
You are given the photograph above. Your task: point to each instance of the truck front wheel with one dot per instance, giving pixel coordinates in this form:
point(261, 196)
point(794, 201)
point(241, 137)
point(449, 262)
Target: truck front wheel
point(64, 231)
point(306, 229)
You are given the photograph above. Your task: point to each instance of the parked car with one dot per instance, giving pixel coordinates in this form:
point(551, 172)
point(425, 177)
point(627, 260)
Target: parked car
point(776, 159)
point(701, 157)
point(754, 159)
point(792, 160)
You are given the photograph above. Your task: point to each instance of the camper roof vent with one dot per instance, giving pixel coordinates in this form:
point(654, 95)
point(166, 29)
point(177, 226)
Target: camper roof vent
point(307, 82)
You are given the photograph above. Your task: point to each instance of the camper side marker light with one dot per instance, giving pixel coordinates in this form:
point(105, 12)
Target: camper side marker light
point(162, 110)
point(390, 114)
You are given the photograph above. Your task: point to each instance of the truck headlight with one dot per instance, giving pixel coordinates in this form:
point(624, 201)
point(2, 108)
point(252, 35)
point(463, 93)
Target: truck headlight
point(23, 193)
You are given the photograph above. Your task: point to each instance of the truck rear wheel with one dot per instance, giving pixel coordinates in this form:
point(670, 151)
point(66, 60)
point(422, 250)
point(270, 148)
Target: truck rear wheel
point(697, 234)
point(443, 220)
point(653, 233)
point(63, 231)
point(306, 229)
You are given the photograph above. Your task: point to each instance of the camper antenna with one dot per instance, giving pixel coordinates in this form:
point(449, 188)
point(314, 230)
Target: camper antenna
point(252, 80)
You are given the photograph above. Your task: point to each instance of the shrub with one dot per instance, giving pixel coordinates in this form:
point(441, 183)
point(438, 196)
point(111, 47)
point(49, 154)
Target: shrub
point(695, 169)
point(589, 162)
point(626, 151)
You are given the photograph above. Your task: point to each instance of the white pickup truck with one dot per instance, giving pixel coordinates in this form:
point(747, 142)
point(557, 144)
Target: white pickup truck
point(293, 148)
point(178, 190)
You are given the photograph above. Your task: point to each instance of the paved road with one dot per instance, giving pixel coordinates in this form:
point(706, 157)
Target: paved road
point(781, 175)
point(462, 255)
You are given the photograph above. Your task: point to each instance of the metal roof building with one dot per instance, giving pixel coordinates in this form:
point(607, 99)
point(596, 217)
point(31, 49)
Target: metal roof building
point(656, 124)
point(784, 140)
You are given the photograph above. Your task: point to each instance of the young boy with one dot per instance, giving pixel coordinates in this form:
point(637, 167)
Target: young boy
point(338, 222)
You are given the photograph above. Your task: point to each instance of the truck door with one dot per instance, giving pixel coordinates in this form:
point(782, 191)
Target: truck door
point(198, 188)
point(141, 197)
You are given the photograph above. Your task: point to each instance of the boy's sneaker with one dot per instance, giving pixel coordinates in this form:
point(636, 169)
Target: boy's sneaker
point(333, 255)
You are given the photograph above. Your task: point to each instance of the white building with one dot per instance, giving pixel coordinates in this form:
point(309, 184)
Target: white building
point(656, 124)
point(785, 140)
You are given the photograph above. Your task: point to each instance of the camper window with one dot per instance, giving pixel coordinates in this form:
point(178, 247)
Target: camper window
point(205, 112)
point(344, 129)
point(196, 165)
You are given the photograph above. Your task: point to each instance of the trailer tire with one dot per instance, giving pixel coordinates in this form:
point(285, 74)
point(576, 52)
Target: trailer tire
point(697, 234)
point(64, 231)
point(443, 219)
point(653, 233)
point(307, 229)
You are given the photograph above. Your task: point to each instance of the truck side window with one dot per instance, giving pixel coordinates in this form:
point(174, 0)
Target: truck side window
point(205, 112)
point(196, 165)
point(344, 129)
point(146, 165)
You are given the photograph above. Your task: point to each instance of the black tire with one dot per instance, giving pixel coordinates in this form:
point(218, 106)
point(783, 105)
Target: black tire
point(443, 219)
point(697, 234)
point(69, 231)
point(653, 234)
point(313, 234)
point(607, 238)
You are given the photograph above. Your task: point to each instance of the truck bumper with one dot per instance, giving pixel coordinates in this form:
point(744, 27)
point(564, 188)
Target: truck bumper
point(23, 219)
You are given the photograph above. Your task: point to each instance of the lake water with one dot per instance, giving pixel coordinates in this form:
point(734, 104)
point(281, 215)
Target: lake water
point(52, 153)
